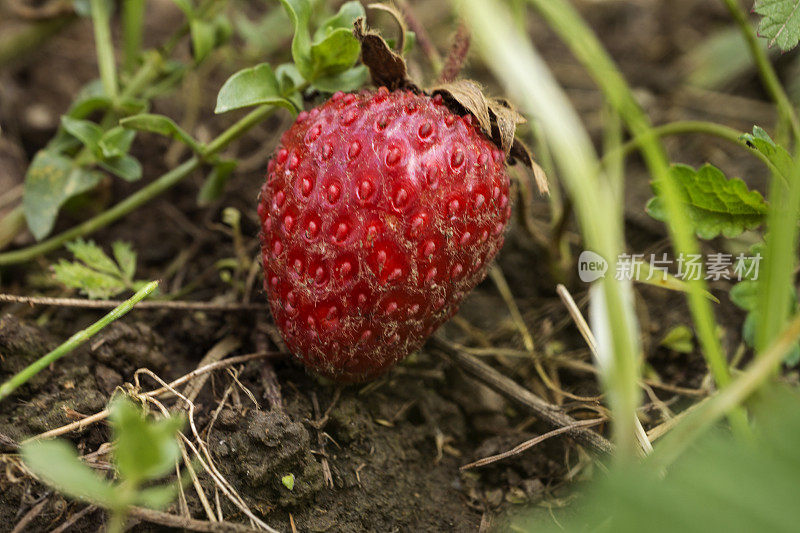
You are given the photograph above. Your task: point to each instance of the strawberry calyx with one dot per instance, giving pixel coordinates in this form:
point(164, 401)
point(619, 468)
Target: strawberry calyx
point(496, 117)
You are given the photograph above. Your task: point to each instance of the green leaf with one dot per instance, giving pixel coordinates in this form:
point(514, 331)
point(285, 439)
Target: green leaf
point(251, 86)
point(157, 497)
point(81, 108)
point(126, 258)
point(777, 155)
point(288, 79)
point(713, 203)
point(56, 463)
point(144, 449)
point(299, 12)
point(204, 37)
point(336, 53)
point(214, 185)
point(780, 22)
point(288, 481)
point(163, 126)
point(348, 13)
point(51, 180)
point(132, 106)
point(679, 339)
point(346, 81)
point(644, 273)
point(93, 256)
point(744, 295)
point(86, 132)
point(94, 273)
point(126, 167)
point(96, 285)
point(116, 142)
point(185, 6)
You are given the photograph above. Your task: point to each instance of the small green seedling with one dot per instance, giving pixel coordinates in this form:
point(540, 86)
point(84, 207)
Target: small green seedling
point(288, 481)
point(97, 275)
point(144, 449)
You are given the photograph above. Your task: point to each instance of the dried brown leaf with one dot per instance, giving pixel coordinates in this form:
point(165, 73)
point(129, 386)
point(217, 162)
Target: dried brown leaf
point(387, 68)
point(398, 17)
point(468, 95)
point(505, 121)
point(520, 153)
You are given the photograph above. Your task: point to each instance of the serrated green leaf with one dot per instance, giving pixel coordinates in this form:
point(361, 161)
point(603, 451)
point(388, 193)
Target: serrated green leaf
point(204, 37)
point(56, 463)
point(777, 155)
point(299, 12)
point(93, 256)
point(346, 81)
point(116, 142)
point(336, 53)
point(713, 203)
point(780, 22)
point(94, 284)
point(344, 18)
point(214, 185)
point(144, 449)
point(745, 295)
point(161, 125)
point(51, 180)
point(125, 167)
point(85, 131)
point(125, 257)
point(251, 86)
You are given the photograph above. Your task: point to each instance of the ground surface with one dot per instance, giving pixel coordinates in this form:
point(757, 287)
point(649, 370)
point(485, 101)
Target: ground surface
point(393, 446)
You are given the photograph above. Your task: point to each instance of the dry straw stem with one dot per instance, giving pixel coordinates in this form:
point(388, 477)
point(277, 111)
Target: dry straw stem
point(591, 341)
point(148, 304)
point(531, 443)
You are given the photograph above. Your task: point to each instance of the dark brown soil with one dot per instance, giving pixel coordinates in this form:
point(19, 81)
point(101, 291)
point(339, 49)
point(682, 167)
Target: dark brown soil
point(394, 446)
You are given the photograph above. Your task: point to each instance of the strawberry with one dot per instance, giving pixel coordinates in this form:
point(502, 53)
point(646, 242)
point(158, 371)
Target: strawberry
point(380, 212)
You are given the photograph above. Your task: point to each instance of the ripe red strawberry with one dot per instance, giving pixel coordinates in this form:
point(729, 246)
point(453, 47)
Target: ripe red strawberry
point(379, 213)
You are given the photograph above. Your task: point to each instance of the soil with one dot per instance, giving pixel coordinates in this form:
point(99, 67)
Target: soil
point(393, 446)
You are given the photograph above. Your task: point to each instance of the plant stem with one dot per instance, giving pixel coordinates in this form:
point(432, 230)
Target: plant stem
point(682, 127)
point(73, 342)
point(574, 31)
point(132, 26)
point(101, 20)
point(776, 279)
point(768, 76)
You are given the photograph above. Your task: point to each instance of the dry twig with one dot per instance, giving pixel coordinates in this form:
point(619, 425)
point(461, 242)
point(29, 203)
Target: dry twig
point(148, 304)
point(507, 387)
point(531, 443)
